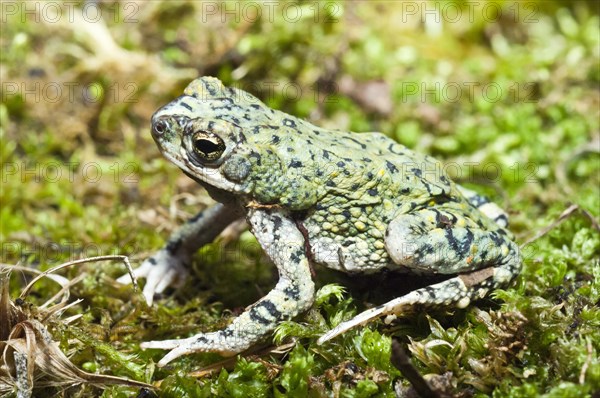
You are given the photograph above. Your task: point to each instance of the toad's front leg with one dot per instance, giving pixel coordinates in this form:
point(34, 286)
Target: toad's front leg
point(284, 243)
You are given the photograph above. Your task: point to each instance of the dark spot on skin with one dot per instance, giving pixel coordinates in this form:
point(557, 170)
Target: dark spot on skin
point(497, 239)
point(202, 339)
point(295, 164)
point(227, 332)
point(277, 223)
point(417, 172)
point(427, 187)
point(391, 167)
point(275, 139)
point(326, 154)
point(391, 148)
point(354, 187)
point(426, 249)
point(341, 259)
point(255, 106)
point(296, 257)
point(173, 245)
point(438, 215)
point(316, 132)
point(195, 217)
point(152, 260)
point(256, 156)
point(453, 218)
point(346, 214)
point(186, 106)
point(330, 183)
point(292, 292)
point(289, 122)
point(461, 248)
point(210, 88)
point(478, 200)
point(444, 179)
point(363, 146)
point(405, 191)
point(290, 149)
point(370, 175)
point(256, 317)
point(366, 160)
point(372, 192)
point(341, 164)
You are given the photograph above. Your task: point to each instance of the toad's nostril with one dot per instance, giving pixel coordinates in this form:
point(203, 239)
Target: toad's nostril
point(160, 127)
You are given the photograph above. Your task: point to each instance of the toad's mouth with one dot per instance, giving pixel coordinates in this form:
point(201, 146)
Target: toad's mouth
point(176, 156)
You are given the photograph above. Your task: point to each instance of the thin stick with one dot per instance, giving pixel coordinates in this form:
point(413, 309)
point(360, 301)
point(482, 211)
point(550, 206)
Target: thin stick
point(401, 361)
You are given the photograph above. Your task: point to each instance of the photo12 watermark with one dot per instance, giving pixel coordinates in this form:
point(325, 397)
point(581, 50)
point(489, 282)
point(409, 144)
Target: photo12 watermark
point(452, 92)
point(69, 11)
point(35, 92)
point(270, 11)
point(468, 11)
point(55, 171)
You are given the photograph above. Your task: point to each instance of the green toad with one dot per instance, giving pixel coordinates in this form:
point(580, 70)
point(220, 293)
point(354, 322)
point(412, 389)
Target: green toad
point(352, 202)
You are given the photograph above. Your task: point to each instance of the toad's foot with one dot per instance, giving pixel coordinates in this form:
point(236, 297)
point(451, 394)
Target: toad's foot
point(169, 266)
point(161, 270)
point(209, 342)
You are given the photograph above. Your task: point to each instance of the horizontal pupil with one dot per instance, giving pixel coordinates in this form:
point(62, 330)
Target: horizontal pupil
point(206, 146)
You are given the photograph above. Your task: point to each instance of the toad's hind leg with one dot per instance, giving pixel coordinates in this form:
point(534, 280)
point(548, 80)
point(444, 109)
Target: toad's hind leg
point(481, 260)
point(483, 204)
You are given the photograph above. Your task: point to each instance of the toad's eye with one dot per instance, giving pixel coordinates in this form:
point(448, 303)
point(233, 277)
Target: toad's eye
point(208, 146)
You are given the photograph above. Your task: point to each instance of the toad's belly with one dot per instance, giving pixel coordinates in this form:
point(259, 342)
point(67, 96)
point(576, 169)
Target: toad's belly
point(350, 254)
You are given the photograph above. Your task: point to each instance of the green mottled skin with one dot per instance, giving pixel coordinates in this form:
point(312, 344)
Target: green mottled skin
point(349, 201)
